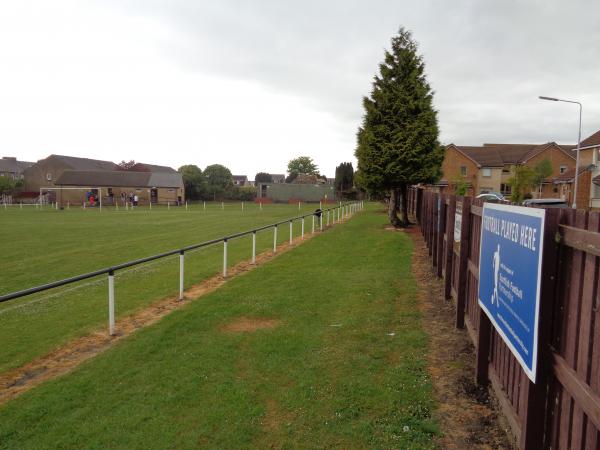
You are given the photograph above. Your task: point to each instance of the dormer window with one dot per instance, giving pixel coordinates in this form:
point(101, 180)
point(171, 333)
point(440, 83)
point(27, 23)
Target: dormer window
point(48, 176)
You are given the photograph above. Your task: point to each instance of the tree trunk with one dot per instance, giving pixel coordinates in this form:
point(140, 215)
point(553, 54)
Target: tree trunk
point(392, 208)
point(404, 201)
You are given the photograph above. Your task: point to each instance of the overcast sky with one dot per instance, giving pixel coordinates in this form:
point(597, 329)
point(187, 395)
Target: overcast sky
point(253, 84)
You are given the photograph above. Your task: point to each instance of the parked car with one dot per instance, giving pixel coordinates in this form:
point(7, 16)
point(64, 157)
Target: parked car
point(546, 203)
point(493, 197)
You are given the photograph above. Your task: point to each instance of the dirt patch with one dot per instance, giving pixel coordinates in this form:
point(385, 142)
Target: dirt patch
point(67, 357)
point(466, 413)
point(249, 324)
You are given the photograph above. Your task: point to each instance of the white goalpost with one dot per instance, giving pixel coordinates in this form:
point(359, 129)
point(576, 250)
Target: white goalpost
point(45, 190)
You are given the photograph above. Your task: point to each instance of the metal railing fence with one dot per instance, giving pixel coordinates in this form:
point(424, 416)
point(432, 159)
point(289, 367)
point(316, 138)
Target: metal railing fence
point(343, 211)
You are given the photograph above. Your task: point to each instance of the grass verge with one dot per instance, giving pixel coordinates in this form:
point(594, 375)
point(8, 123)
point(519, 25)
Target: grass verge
point(340, 363)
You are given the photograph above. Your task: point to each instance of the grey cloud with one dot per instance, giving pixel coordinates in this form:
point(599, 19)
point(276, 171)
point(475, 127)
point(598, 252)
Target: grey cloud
point(487, 60)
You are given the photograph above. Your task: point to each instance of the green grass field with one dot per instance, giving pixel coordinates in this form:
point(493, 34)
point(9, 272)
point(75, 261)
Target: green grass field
point(40, 246)
point(344, 368)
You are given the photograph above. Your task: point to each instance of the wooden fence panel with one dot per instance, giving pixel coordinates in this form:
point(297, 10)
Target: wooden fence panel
point(561, 410)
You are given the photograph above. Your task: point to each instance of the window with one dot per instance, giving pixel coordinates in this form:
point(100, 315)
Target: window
point(563, 169)
point(49, 176)
point(505, 189)
point(486, 172)
point(463, 171)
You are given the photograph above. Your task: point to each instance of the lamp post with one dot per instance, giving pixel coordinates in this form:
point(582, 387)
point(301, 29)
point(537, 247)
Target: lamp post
point(553, 99)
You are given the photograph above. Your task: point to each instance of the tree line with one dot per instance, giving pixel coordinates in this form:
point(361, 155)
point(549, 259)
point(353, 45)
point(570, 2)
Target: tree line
point(216, 181)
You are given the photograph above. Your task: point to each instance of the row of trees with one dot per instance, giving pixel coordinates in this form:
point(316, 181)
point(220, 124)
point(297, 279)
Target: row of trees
point(214, 183)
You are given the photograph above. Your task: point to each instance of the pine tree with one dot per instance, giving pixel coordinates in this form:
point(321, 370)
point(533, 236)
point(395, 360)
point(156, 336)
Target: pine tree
point(398, 139)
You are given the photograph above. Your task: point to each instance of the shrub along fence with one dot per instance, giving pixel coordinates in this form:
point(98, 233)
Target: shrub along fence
point(562, 409)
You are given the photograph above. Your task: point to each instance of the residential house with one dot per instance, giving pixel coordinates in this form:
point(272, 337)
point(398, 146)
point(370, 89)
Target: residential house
point(12, 168)
point(240, 180)
point(588, 188)
point(488, 168)
point(277, 177)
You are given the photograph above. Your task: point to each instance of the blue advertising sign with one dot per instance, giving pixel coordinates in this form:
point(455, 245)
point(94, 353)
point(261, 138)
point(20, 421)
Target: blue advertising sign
point(510, 265)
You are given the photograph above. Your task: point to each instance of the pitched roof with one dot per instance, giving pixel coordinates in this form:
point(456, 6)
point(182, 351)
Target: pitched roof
point(240, 177)
point(540, 148)
point(143, 167)
point(76, 163)
point(484, 157)
point(569, 175)
point(592, 140)
point(512, 153)
point(498, 155)
point(118, 178)
point(12, 165)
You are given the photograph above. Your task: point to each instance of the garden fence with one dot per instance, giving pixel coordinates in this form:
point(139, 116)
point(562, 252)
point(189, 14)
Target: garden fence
point(562, 409)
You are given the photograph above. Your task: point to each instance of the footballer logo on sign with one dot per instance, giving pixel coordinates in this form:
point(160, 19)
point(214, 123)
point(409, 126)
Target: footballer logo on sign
point(509, 276)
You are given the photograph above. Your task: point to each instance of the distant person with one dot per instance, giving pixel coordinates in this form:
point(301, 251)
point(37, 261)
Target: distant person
point(123, 197)
point(135, 200)
point(131, 198)
point(92, 200)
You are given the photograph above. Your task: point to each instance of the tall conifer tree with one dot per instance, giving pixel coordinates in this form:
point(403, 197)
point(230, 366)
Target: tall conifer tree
point(398, 140)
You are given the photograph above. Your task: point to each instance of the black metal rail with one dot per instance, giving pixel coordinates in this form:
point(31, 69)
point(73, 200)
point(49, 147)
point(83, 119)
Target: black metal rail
point(182, 250)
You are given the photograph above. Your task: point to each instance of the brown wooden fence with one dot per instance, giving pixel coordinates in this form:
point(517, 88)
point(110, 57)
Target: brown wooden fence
point(562, 409)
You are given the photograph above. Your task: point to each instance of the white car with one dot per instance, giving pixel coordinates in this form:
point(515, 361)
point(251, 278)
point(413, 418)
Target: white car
point(493, 197)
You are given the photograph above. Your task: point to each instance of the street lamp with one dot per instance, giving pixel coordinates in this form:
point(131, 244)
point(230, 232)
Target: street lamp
point(553, 99)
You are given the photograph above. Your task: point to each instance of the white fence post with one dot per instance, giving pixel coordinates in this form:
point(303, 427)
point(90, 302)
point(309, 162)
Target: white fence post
point(275, 239)
point(222, 206)
point(254, 247)
point(302, 235)
point(224, 258)
point(321, 221)
point(168, 206)
point(186, 207)
point(111, 303)
point(291, 231)
point(313, 224)
point(181, 263)
point(242, 206)
point(298, 206)
point(204, 206)
point(327, 217)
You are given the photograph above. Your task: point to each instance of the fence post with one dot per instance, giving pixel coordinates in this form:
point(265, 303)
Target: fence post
point(291, 231)
point(321, 221)
point(449, 248)
point(313, 224)
point(181, 263)
point(327, 217)
point(533, 397)
point(275, 239)
point(461, 291)
point(302, 235)
point(111, 303)
point(441, 226)
point(224, 258)
point(254, 247)
point(419, 204)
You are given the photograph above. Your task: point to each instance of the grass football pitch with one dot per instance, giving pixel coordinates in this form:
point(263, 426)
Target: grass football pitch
point(338, 363)
point(41, 246)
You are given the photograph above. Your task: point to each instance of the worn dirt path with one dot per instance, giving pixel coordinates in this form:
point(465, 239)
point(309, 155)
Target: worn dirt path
point(68, 356)
point(467, 415)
